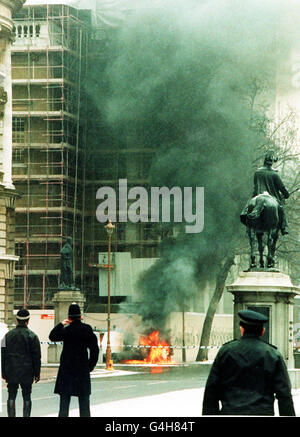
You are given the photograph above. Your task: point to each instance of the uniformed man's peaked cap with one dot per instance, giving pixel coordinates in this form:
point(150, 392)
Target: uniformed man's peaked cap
point(23, 315)
point(252, 317)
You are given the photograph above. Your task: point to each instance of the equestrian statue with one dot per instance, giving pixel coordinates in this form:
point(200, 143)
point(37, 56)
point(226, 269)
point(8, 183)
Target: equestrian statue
point(264, 213)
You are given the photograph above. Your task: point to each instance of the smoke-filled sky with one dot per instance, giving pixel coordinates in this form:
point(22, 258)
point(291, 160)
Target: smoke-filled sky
point(179, 77)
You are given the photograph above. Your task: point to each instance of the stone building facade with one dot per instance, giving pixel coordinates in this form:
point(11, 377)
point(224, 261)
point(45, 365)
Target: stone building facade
point(8, 192)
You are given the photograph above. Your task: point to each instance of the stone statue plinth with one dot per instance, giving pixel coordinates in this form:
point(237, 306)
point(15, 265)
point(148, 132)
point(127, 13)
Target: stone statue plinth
point(62, 300)
point(273, 294)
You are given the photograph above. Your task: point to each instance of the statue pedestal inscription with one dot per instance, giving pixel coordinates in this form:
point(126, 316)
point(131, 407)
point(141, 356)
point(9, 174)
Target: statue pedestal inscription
point(271, 293)
point(62, 301)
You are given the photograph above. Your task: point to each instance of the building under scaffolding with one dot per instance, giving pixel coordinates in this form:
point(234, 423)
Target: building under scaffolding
point(52, 168)
point(49, 67)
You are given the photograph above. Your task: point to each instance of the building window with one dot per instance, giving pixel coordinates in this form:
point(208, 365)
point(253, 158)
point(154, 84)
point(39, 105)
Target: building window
point(37, 30)
point(26, 31)
point(18, 156)
point(20, 251)
point(18, 129)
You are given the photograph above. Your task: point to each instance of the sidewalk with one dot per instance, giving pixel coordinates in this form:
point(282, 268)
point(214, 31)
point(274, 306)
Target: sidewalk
point(181, 403)
point(49, 372)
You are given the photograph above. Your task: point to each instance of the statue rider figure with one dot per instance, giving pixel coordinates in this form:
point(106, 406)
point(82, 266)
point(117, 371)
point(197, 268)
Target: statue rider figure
point(266, 178)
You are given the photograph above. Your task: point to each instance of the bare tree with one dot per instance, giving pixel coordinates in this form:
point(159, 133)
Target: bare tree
point(207, 325)
point(281, 136)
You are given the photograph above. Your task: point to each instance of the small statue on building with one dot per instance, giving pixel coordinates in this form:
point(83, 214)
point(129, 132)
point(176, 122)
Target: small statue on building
point(66, 281)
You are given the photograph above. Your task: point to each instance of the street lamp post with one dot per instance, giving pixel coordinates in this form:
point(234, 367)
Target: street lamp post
point(183, 335)
point(109, 363)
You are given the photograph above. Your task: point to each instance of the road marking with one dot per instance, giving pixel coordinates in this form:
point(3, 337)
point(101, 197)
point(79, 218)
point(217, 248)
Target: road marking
point(37, 399)
point(124, 386)
point(46, 397)
point(158, 382)
point(103, 374)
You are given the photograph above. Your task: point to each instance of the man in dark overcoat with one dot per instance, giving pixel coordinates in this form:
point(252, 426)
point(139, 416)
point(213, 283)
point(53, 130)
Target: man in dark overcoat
point(21, 363)
point(247, 373)
point(73, 378)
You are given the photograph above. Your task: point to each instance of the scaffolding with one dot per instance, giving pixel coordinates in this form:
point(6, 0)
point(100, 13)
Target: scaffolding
point(49, 68)
point(57, 174)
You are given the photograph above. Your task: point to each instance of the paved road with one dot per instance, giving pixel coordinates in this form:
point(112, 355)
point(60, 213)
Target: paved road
point(116, 386)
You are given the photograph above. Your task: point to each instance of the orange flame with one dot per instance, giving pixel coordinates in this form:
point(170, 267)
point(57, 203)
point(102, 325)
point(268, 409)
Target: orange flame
point(159, 350)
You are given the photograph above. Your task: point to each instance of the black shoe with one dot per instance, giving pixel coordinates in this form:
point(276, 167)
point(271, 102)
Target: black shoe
point(11, 408)
point(26, 408)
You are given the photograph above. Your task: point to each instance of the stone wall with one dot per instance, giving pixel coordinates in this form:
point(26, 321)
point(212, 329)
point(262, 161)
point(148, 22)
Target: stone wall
point(7, 190)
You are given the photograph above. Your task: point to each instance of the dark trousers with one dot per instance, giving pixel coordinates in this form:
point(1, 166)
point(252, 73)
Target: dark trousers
point(13, 390)
point(84, 406)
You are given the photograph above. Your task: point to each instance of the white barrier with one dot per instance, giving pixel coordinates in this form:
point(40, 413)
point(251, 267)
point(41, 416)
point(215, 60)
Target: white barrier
point(3, 331)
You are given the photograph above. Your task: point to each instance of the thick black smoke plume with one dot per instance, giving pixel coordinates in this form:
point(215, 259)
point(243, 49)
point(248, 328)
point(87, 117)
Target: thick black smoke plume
point(178, 79)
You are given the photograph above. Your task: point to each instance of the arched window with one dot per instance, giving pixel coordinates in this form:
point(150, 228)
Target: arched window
point(37, 30)
point(20, 31)
point(31, 31)
point(25, 31)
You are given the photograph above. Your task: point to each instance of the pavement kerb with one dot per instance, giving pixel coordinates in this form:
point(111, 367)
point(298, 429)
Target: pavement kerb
point(49, 370)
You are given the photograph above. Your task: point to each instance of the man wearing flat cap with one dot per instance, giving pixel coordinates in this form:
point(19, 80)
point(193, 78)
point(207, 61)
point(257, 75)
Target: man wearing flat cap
point(73, 378)
point(247, 374)
point(21, 363)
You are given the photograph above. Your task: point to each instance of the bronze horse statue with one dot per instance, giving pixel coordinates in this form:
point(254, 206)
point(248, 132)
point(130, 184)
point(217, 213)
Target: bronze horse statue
point(261, 216)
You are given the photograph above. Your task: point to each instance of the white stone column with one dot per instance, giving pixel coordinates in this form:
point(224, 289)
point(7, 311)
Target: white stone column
point(7, 122)
point(7, 8)
point(7, 190)
point(3, 331)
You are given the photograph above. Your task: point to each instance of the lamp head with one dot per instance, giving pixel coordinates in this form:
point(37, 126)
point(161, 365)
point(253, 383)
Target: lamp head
point(109, 227)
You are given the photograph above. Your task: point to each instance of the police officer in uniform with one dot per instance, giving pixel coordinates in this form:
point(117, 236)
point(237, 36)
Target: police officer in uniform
point(78, 358)
point(247, 373)
point(21, 363)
